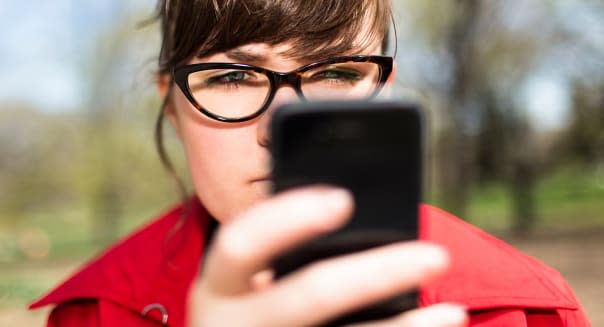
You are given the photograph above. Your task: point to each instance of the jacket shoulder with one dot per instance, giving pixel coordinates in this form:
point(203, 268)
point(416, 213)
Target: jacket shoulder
point(493, 279)
point(84, 284)
point(486, 271)
point(167, 253)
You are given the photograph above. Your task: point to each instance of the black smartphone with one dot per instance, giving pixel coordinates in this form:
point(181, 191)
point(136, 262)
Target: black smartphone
point(374, 149)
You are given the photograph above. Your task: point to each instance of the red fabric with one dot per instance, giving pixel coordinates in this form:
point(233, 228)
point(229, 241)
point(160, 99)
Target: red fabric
point(95, 313)
point(75, 314)
point(156, 265)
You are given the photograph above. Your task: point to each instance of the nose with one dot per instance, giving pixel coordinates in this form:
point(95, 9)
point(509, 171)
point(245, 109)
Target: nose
point(285, 94)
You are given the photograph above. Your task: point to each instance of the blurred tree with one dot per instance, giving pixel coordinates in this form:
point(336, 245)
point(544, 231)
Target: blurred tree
point(455, 145)
point(32, 144)
point(584, 139)
point(98, 162)
point(116, 109)
point(487, 51)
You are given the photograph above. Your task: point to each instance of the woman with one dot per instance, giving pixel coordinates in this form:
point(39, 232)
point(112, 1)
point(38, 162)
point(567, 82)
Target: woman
point(220, 113)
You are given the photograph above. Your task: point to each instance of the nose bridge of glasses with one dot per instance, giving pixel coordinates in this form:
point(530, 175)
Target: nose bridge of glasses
point(292, 79)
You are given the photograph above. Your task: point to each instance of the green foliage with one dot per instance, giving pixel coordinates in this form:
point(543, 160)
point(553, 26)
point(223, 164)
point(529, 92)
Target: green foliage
point(54, 176)
point(571, 197)
point(72, 181)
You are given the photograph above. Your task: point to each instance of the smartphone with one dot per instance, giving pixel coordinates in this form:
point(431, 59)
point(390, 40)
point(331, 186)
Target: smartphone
point(374, 149)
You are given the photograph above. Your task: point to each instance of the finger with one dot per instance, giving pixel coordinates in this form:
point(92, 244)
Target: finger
point(249, 243)
point(330, 288)
point(262, 280)
point(440, 315)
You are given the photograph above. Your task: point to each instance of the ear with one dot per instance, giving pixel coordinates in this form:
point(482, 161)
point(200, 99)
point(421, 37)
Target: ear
point(392, 76)
point(387, 91)
point(164, 88)
point(162, 82)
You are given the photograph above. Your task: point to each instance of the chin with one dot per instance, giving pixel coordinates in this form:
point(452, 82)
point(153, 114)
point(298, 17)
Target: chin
point(262, 188)
point(230, 208)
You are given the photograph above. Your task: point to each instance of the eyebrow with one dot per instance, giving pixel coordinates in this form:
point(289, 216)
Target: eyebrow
point(245, 56)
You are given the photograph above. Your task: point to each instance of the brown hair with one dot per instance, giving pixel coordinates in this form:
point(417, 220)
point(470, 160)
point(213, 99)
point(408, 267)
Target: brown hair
point(317, 29)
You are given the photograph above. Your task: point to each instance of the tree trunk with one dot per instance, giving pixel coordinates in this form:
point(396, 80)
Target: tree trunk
point(522, 186)
point(456, 151)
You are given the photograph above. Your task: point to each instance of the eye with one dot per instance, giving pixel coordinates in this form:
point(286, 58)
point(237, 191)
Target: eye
point(229, 77)
point(337, 75)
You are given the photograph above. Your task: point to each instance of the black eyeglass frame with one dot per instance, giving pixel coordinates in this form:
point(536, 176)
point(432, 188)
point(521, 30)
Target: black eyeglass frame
point(181, 74)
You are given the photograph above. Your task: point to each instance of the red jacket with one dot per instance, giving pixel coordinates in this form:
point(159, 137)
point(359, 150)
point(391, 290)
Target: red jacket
point(144, 280)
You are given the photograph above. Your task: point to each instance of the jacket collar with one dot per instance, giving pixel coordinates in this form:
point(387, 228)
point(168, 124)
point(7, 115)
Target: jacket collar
point(487, 273)
point(143, 270)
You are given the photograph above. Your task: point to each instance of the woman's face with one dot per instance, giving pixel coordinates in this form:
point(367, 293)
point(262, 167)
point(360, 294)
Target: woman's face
point(230, 162)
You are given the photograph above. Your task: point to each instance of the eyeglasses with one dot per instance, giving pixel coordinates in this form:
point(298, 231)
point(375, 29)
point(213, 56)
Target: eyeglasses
point(238, 92)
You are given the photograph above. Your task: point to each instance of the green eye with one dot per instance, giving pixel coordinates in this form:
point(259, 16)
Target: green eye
point(342, 75)
point(230, 77)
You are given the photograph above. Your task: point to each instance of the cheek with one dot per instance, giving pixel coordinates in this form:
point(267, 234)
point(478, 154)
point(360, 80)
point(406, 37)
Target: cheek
point(213, 154)
point(222, 160)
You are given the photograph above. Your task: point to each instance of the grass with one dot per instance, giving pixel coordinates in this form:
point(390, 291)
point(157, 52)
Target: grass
point(572, 198)
point(18, 290)
point(21, 282)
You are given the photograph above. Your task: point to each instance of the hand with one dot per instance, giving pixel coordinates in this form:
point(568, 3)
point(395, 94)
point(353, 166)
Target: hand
point(234, 289)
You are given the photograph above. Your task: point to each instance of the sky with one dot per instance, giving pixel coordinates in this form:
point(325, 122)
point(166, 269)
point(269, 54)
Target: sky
point(42, 45)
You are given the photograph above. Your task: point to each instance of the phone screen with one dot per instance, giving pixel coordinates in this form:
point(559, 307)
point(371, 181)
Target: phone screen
point(374, 149)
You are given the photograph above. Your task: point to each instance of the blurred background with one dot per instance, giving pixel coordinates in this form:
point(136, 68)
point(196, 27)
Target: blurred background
point(514, 92)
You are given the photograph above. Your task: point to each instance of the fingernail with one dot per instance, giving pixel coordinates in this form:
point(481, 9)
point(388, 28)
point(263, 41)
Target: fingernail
point(434, 256)
point(454, 315)
point(338, 198)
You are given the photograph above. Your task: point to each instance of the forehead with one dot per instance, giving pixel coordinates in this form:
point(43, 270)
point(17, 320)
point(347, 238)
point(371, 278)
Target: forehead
point(279, 56)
